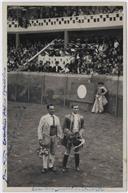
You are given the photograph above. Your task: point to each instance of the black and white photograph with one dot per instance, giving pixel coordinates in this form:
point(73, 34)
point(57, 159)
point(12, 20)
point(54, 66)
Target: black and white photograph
point(64, 125)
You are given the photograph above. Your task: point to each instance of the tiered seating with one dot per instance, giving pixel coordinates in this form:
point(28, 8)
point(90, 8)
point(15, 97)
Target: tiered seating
point(98, 55)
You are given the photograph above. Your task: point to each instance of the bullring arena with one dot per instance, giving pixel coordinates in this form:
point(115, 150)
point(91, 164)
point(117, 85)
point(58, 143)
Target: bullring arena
point(87, 44)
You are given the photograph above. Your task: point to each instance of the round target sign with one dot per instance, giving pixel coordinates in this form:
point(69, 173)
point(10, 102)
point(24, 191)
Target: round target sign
point(81, 91)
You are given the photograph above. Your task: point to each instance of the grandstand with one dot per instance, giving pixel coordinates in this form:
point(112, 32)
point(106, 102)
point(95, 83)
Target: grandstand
point(80, 49)
point(53, 52)
point(88, 43)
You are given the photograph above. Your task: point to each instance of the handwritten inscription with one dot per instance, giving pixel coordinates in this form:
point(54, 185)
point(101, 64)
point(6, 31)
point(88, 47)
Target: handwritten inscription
point(4, 126)
point(64, 189)
point(4, 132)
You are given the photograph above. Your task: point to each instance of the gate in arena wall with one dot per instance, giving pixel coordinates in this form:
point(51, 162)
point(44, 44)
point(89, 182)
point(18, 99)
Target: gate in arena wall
point(80, 90)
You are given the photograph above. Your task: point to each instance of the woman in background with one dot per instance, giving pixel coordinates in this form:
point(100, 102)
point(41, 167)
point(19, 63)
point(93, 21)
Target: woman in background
point(100, 99)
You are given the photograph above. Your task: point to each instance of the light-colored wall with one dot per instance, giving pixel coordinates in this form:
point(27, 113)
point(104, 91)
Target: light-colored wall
point(99, 21)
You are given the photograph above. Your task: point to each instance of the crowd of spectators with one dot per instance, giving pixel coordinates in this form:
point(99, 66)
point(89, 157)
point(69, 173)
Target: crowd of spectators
point(26, 13)
point(68, 11)
point(94, 55)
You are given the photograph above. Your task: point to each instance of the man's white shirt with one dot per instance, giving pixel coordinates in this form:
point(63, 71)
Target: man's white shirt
point(44, 126)
point(75, 123)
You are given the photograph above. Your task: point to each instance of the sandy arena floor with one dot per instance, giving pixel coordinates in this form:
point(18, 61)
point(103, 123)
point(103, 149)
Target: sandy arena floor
point(101, 160)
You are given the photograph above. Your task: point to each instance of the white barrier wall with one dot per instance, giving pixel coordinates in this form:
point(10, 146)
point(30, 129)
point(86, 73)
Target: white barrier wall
point(113, 20)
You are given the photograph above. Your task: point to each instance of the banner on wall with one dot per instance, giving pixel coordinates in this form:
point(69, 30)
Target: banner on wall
point(61, 60)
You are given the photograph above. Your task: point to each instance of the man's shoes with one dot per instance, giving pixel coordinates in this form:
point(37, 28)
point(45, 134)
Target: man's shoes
point(77, 169)
point(52, 169)
point(43, 171)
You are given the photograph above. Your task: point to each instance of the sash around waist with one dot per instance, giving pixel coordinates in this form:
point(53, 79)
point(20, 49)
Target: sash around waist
point(53, 130)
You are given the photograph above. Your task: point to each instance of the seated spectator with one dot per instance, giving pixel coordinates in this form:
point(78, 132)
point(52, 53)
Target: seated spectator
point(47, 67)
point(25, 14)
point(66, 68)
point(57, 68)
point(91, 55)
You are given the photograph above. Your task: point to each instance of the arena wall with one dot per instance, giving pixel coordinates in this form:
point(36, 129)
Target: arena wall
point(43, 88)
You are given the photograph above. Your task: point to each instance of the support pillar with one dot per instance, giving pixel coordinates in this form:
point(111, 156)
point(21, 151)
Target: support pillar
point(66, 38)
point(17, 40)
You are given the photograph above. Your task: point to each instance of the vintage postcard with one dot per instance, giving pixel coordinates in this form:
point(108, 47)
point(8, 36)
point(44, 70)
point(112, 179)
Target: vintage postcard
point(64, 96)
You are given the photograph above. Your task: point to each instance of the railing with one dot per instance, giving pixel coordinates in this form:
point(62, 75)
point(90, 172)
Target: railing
point(70, 23)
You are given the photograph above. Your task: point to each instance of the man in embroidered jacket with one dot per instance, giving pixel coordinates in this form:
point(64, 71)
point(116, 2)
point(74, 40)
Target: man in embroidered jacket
point(48, 130)
point(73, 123)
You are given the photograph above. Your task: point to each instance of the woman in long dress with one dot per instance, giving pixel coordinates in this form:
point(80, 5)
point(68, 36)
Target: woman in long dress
point(100, 99)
